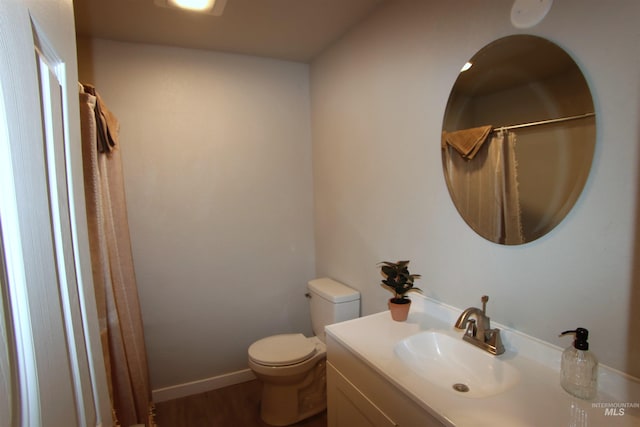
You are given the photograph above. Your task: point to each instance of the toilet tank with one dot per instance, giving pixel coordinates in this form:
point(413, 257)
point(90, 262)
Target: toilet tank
point(331, 302)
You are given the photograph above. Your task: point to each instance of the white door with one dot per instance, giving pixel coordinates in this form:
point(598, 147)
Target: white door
point(51, 366)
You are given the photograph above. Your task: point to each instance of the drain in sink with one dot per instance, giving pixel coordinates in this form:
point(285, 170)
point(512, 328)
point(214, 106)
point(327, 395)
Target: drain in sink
point(462, 388)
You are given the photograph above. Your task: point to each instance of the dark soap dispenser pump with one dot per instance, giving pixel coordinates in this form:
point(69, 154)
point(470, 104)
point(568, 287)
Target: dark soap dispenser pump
point(579, 367)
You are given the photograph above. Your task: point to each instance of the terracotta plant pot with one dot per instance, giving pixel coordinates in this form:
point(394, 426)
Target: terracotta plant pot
point(399, 310)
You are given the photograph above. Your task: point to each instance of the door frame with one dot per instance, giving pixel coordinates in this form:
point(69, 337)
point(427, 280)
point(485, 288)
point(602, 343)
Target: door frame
point(42, 316)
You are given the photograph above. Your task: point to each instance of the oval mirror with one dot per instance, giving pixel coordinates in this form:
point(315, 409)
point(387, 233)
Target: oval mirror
point(518, 138)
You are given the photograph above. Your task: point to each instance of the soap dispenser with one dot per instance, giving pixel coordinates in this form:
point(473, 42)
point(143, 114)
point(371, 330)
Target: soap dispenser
point(579, 367)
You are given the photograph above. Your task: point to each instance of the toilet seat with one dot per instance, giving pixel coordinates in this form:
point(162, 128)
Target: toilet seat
point(282, 350)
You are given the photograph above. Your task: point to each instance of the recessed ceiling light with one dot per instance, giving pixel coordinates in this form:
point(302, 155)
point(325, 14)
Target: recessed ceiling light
point(211, 7)
point(466, 66)
point(199, 5)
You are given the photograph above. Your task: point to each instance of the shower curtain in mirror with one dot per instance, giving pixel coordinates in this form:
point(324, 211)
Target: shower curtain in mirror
point(112, 264)
point(486, 188)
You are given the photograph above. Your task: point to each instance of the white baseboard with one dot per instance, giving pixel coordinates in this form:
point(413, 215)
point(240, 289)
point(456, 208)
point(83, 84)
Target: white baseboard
point(201, 386)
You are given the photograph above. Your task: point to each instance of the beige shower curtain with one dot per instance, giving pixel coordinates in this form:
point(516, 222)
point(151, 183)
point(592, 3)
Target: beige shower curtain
point(486, 188)
point(112, 263)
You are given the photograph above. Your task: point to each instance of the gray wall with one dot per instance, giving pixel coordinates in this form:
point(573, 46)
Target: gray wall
point(378, 99)
point(217, 162)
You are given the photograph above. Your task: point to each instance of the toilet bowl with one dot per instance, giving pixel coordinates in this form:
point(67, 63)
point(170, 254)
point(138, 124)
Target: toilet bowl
point(292, 370)
point(292, 367)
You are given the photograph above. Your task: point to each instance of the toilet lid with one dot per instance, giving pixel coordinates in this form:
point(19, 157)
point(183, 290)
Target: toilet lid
point(280, 350)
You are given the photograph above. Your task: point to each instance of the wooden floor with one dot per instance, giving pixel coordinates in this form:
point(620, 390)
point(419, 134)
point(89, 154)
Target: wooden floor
point(234, 406)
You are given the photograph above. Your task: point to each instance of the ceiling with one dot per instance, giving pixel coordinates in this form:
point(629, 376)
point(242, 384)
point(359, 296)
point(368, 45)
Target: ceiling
point(513, 61)
point(295, 30)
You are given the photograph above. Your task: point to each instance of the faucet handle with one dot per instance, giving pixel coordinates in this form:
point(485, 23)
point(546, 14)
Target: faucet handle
point(495, 341)
point(484, 299)
point(472, 329)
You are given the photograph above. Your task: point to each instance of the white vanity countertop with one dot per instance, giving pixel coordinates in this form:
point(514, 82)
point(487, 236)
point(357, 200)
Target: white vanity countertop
point(536, 400)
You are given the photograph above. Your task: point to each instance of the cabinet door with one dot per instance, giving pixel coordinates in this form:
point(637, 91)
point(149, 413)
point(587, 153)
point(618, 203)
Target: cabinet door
point(348, 407)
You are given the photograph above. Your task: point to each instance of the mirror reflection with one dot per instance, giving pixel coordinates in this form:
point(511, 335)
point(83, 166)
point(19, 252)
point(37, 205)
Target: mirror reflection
point(518, 139)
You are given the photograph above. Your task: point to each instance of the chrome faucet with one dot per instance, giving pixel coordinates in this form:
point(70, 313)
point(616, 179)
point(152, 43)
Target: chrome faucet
point(478, 331)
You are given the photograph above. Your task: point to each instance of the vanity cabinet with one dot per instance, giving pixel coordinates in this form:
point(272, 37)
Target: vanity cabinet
point(348, 406)
point(360, 397)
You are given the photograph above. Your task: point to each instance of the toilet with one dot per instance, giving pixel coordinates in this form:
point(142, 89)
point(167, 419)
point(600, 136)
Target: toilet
point(292, 366)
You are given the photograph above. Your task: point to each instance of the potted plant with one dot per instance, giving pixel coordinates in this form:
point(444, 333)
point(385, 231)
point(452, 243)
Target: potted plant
point(399, 281)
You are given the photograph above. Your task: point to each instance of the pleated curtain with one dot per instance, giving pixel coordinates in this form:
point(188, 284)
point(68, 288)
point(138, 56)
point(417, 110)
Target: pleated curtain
point(112, 263)
point(485, 188)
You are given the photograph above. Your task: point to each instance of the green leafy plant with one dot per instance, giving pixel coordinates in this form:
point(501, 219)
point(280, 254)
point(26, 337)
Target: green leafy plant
point(398, 280)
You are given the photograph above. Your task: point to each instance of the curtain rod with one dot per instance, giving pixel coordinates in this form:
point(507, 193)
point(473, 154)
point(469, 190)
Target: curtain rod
point(544, 122)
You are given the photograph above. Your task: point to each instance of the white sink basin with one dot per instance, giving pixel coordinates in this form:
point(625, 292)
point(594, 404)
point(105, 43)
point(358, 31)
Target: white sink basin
point(456, 365)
